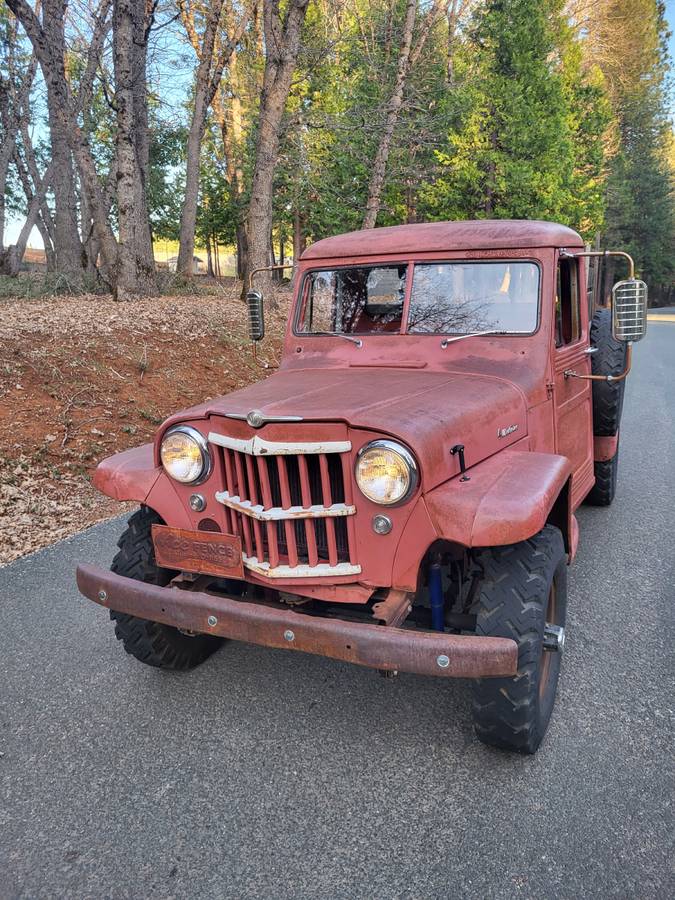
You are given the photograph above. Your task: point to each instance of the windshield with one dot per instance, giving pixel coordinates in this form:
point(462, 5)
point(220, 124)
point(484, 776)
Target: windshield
point(445, 298)
point(359, 300)
point(463, 297)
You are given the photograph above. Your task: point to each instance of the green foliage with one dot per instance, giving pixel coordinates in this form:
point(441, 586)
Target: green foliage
point(513, 155)
point(165, 179)
point(640, 201)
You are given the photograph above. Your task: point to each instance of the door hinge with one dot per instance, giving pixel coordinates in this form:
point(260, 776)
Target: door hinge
point(550, 387)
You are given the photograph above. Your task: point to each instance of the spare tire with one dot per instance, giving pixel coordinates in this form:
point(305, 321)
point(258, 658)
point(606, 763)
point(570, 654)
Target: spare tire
point(609, 359)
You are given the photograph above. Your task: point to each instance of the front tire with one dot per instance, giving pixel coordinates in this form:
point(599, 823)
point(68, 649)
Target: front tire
point(153, 643)
point(524, 588)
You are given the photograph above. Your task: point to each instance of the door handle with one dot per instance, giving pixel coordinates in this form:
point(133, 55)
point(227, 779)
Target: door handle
point(590, 350)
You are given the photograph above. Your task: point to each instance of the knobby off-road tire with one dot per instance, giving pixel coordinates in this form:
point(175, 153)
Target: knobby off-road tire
point(602, 492)
point(609, 359)
point(523, 586)
point(151, 642)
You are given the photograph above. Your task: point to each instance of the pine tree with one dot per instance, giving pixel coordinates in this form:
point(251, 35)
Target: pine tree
point(640, 199)
point(513, 156)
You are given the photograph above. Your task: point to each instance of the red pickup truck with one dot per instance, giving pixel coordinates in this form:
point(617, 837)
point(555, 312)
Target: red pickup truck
point(401, 493)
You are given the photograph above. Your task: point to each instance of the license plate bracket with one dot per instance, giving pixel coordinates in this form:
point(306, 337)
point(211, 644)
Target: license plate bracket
point(205, 552)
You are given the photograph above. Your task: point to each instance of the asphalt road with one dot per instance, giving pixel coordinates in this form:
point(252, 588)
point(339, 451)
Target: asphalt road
point(271, 774)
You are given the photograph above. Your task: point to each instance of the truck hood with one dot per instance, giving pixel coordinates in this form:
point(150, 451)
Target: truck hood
point(428, 411)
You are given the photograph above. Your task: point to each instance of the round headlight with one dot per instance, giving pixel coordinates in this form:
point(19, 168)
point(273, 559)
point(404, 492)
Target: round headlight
point(185, 455)
point(386, 472)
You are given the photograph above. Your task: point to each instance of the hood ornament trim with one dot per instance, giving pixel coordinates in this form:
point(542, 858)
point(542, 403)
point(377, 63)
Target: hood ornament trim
point(256, 419)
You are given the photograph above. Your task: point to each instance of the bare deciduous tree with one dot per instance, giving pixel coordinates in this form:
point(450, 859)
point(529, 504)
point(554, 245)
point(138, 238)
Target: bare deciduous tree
point(214, 50)
point(135, 261)
point(282, 45)
point(407, 57)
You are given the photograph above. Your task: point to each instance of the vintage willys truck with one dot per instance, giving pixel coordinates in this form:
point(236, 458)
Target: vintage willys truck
point(401, 493)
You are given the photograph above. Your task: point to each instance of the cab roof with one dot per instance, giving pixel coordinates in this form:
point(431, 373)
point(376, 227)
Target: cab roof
point(481, 234)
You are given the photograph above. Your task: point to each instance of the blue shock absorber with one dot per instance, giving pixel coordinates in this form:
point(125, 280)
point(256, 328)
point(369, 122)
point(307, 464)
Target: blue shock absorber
point(436, 596)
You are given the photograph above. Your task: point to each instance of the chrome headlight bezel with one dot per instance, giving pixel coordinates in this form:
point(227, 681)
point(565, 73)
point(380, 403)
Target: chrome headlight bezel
point(407, 457)
point(202, 444)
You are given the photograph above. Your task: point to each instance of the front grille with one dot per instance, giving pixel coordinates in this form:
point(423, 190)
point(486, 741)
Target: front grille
point(292, 511)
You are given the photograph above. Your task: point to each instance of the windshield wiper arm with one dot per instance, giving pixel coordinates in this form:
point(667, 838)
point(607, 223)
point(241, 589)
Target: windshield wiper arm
point(461, 337)
point(346, 337)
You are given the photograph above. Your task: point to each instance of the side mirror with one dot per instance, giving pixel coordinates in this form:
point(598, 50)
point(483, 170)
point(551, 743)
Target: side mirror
point(256, 316)
point(629, 310)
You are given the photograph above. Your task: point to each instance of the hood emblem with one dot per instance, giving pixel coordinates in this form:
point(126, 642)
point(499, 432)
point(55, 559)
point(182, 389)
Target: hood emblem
point(256, 419)
point(504, 432)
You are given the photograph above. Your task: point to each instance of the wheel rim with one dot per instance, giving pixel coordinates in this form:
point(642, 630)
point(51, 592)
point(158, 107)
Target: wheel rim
point(546, 655)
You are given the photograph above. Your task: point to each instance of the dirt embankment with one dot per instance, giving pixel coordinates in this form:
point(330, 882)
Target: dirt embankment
point(83, 377)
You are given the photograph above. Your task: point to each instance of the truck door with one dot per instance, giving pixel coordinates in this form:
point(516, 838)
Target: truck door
point(573, 398)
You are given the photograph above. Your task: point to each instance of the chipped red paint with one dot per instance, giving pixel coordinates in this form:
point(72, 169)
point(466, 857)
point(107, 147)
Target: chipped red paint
point(441, 237)
point(605, 448)
point(129, 475)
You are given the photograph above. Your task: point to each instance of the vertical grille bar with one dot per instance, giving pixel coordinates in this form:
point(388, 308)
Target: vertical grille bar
point(347, 482)
point(328, 501)
point(257, 529)
point(243, 494)
point(229, 485)
point(289, 525)
point(271, 527)
point(310, 529)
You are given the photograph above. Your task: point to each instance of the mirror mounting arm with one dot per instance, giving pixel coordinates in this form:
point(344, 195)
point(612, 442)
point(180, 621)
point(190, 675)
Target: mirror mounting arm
point(601, 253)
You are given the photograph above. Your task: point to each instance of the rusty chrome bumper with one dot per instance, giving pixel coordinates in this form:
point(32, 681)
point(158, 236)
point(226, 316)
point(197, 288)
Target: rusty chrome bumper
point(376, 646)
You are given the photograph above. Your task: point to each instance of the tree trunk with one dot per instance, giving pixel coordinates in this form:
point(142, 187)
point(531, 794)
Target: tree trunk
point(299, 242)
point(229, 117)
point(136, 274)
point(207, 81)
point(393, 107)
point(282, 43)
point(188, 218)
point(14, 112)
point(61, 104)
point(12, 257)
point(67, 246)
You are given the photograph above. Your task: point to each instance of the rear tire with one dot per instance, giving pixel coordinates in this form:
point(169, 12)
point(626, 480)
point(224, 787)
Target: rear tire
point(603, 491)
point(153, 643)
point(609, 359)
point(524, 586)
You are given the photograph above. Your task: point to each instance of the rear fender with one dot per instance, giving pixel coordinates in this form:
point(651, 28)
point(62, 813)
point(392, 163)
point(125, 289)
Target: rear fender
point(504, 500)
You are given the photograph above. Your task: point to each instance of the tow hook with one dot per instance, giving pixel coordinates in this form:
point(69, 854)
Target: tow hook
point(554, 637)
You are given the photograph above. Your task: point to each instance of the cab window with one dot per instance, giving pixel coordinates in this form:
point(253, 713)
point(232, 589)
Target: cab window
point(354, 300)
point(567, 303)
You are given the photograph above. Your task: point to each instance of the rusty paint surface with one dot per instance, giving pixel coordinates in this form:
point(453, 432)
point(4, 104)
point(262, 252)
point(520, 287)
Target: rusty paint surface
point(394, 608)
point(507, 499)
point(604, 448)
point(375, 646)
point(444, 236)
point(129, 475)
point(205, 552)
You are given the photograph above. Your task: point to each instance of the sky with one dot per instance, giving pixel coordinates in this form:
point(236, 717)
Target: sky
point(177, 76)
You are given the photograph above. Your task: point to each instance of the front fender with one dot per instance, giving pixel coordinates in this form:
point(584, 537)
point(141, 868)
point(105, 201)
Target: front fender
point(506, 499)
point(129, 475)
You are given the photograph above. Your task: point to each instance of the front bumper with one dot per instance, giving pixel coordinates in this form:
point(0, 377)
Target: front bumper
point(376, 646)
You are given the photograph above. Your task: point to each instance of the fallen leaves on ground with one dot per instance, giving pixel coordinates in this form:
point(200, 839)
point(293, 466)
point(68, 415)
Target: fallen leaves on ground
point(83, 377)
